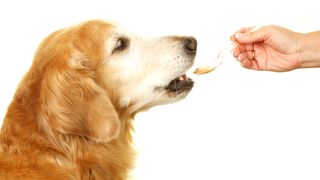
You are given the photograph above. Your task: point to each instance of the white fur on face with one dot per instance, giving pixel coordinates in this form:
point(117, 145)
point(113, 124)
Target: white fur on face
point(145, 67)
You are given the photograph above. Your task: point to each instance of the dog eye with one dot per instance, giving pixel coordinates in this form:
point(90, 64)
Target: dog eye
point(121, 44)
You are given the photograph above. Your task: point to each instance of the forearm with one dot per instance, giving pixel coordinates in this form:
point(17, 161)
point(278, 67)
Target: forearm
point(310, 50)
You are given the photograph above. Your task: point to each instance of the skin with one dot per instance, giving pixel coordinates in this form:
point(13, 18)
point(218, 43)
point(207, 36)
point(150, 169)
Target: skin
point(274, 48)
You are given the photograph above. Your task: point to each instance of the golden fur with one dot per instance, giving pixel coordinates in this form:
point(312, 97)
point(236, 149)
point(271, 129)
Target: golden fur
point(65, 122)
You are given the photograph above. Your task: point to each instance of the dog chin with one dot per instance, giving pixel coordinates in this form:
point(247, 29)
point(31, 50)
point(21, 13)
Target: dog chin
point(169, 98)
point(174, 90)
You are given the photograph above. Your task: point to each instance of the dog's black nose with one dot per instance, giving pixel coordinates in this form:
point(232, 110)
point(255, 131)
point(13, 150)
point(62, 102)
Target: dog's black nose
point(190, 45)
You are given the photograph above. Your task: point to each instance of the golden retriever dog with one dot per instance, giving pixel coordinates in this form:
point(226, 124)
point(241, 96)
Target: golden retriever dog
point(71, 116)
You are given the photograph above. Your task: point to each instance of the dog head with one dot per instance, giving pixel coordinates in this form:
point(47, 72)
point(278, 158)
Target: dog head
point(147, 72)
point(91, 72)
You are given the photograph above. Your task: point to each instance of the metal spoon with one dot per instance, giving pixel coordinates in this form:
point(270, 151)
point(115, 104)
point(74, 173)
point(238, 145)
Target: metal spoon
point(216, 62)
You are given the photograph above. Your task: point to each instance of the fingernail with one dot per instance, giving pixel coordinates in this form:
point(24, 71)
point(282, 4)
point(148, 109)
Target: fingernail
point(238, 35)
point(244, 63)
point(240, 57)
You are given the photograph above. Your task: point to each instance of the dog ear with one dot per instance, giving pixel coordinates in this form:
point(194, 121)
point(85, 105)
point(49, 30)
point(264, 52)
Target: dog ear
point(74, 104)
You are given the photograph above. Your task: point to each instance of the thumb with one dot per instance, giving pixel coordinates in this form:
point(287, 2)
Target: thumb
point(252, 36)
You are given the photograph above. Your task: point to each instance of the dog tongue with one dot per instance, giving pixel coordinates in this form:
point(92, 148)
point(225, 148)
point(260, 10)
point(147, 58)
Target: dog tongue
point(184, 76)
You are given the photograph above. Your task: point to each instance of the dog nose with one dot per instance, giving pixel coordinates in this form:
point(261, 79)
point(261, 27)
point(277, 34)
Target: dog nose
point(190, 45)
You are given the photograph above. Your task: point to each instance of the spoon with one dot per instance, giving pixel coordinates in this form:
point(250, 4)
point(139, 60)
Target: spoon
point(216, 62)
point(219, 58)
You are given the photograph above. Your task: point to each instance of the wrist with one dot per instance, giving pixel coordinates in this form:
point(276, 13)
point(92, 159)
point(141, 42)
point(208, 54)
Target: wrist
point(309, 50)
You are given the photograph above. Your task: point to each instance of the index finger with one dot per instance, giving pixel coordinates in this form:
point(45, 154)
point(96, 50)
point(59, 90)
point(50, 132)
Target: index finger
point(240, 48)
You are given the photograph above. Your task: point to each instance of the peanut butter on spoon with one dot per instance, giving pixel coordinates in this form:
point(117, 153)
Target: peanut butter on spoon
point(204, 70)
point(217, 61)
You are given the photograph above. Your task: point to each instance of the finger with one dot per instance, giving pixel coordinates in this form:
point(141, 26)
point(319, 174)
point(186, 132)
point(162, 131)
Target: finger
point(246, 47)
point(242, 30)
point(246, 62)
point(242, 57)
point(236, 51)
point(245, 29)
point(254, 35)
point(232, 38)
point(241, 48)
point(251, 55)
point(250, 64)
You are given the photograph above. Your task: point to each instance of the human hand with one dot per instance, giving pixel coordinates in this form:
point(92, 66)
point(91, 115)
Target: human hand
point(269, 48)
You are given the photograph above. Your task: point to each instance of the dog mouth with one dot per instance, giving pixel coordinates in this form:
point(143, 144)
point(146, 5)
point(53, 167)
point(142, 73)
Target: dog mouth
point(180, 84)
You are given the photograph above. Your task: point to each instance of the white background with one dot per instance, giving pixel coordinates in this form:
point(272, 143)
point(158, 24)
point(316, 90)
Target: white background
point(235, 124)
